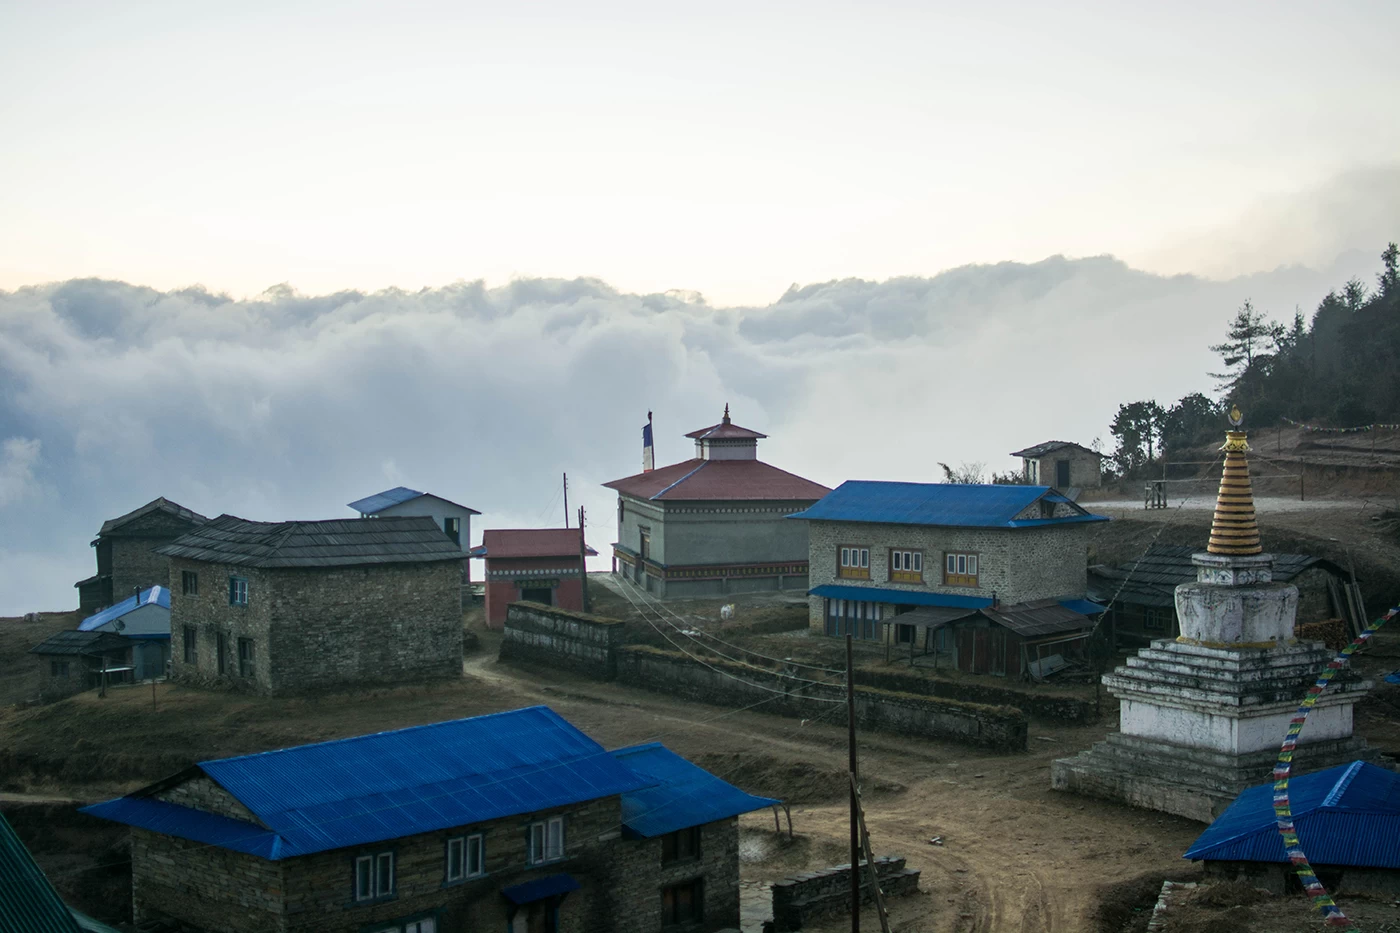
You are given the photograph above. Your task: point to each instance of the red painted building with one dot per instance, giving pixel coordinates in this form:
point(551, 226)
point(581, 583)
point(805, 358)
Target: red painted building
point(541, 565)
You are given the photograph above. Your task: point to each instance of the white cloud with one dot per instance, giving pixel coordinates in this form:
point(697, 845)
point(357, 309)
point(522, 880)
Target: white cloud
point(290, 406)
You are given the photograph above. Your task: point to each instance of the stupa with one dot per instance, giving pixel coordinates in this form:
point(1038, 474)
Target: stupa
point(1201, 717)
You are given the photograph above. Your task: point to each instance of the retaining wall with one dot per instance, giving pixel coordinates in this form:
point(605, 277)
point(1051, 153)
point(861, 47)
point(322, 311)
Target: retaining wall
point(1048, 706)
point(727, 684)
point(811, 896)
point(574, 641)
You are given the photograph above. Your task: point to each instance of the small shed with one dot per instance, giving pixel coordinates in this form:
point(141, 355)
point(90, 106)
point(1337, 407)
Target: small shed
point(1062, 464)
point(1006, 639)
point(541, 565)
point(1348, 823)
point(71, 662)
point(144, 618)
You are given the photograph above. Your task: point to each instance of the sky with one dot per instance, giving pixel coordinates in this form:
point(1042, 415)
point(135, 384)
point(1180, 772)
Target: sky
point(270, 258)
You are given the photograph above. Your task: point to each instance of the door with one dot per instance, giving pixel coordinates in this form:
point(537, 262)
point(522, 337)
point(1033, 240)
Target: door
point(540, 594)
point(979, 651)
point(1062, 474)
point(996, 662)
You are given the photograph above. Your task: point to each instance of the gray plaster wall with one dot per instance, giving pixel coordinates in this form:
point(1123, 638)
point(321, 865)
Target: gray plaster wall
point(436, 509)
point(688, 533)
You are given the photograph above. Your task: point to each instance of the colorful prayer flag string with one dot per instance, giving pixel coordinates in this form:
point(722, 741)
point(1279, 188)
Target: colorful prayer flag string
point(1360, 429)
point(1283, 809)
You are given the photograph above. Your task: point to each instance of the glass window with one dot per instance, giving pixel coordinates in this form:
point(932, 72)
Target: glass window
point(547, 841)
point(464, 857)
point(682, 903)
point(865, 557)
point(384, 874)
point(952, 563)
point(189, 583)
point(918, 562)
point(237, 591)
point(845, 557)
point(364, 878)
point(680, 846)
point(190, 636)
point(972, 565)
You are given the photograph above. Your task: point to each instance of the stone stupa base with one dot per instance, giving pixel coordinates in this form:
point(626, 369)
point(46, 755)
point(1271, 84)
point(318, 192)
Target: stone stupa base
point(1192, 782)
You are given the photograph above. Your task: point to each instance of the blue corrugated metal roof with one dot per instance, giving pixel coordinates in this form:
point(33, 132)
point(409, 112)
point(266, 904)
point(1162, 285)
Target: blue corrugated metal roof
point(391, 784)
point(1084, 607)
point(188, 823)
point(682, 795)
point(540, 888)
point(159, 595)
point(1348, 815)
point(382, 500)
point(880, 594)
point(949, 504)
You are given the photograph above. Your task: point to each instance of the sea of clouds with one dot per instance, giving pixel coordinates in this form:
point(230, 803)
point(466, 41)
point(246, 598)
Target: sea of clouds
point(288, 406)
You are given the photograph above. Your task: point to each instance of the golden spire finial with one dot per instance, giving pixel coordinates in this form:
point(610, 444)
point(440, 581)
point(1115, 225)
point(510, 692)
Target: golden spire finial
point(1235, 530)
point(726, 413)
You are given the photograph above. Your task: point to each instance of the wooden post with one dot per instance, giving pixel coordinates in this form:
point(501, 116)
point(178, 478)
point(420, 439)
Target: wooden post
point(876, 893)
point(102, 684)
point(583, 563)
point(566, 500)
point(855, 802)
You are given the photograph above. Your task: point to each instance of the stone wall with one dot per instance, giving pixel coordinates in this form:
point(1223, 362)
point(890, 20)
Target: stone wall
point(319, 628)
point(727, 684)
point(203, 793)
point(134, 564)
point(1015, 564)
point(826, 893)
point(211, 889)
point(640, 878)
point(558, 638)
point(1045, 704)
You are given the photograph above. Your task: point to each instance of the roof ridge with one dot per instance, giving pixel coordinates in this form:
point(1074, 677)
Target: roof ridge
point(681, 480)
point(1334, 796)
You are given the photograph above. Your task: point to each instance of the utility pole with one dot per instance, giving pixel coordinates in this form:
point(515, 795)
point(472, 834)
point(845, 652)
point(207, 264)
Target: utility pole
point(855, 802)
point(583, 562)
point(566, 500)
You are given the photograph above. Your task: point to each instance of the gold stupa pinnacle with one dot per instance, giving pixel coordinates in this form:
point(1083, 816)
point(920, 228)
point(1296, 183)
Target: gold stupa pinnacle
point(1234, 529)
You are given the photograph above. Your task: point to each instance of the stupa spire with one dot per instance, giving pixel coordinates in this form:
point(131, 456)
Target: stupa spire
point(1235, 530)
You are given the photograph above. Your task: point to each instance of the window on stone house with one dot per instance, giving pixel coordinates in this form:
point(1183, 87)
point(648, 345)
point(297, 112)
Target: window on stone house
point(853, 562)
point(58, 668)
point(680, 846)
point(1155, 619)
point(959, 569)
point(374, 876)
point(245, 657)
point(221, 652)
point(683, 903)
point(191, 654)
point(189, 582)
point(465, 857)
point(906, 566)
point(237, 591)
point(547, 840)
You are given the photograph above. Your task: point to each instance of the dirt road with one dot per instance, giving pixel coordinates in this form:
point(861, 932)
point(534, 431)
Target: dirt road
point(1014, 855)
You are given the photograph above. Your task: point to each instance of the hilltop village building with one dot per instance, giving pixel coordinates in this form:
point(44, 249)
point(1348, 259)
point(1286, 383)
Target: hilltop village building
point(539, 565)
point(714, 524)
point(1201, 715)
point(538, 828)
point(71, 662)
point(455, 520)
point(126, 557)
point(993, 574)
point(1062, 464)
point(285, 606)
point(145, 619)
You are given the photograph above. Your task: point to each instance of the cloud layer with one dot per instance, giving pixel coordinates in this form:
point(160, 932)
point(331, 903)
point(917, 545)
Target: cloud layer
point(289, 406)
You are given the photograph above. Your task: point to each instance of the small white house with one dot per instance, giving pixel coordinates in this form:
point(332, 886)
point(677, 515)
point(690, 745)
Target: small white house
point(144, 618)
point(454, 520)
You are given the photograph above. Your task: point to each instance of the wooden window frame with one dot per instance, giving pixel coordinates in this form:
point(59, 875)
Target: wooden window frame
point(1156, 612)
point(853, 561)
point(906, 565)
point(970, 563)
point(669, 917)
point(683, 845)
point(237, 591)
point(189, 583)
point(189, 636)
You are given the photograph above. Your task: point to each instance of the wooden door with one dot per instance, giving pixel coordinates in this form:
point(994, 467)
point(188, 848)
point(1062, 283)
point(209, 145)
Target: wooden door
point(979, 651)
point(1062, 474)
point(996, 661)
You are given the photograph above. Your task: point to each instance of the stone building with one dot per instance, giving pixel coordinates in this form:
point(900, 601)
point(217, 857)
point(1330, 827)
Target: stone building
point(538, 828)
point(126, 557)
point(1061, 464)
point(1143, 591)
point(71, 662)
point(941, 553)
point(1201, 716)
point(1348, 818)
point(145, 619)
point(714, 524)
point(539, 565)
point(285, 606)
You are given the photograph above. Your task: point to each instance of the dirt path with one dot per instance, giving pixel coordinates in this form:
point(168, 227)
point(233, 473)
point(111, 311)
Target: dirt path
point(1014, 855)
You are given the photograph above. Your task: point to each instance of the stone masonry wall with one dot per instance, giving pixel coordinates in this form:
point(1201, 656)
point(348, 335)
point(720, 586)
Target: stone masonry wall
point(211, 889)
point(202, 793)
point(1042, 703)
point(1015, 564)
point(378, 624)
point(134, 564)
point(727, 684)
point(825, 893)
point(640, 878)
point(318, 628)
point(558, 638)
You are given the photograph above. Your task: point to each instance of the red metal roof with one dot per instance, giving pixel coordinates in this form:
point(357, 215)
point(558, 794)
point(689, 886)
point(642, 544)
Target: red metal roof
point(531, 542)
point(719, 479)
point(724, 429)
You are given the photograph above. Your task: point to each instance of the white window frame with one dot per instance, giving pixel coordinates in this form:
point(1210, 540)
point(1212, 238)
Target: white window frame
point(378, 879)
point(547, 841)
point(471, 848)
